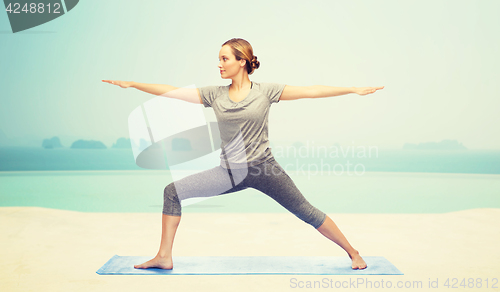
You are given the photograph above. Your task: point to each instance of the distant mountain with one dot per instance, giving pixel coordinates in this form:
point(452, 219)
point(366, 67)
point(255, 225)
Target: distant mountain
point(443, 145)
point(298, 144)
point(122, 143)
point(181, 144)
point(51, 143)
point(88, 144)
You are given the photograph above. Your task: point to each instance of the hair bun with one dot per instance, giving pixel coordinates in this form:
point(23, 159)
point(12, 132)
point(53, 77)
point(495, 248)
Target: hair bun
point(255, 63)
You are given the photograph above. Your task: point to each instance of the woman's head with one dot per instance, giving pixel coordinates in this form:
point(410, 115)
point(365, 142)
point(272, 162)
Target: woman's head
point(235, 55)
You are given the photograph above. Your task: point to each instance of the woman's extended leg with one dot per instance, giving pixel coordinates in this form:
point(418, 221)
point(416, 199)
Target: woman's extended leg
point(271, 179)
point(330, 230)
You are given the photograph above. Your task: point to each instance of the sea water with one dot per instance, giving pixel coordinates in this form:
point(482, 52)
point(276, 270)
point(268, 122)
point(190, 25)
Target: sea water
point(142, 191)
point(397, 181)
point(441, 161)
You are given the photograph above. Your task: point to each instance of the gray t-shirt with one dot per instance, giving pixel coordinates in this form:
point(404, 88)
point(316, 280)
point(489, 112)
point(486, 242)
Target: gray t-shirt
point(243, 125)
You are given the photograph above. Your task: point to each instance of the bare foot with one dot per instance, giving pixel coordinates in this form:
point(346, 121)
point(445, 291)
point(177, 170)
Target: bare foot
point(357, 261)
point(157, 262)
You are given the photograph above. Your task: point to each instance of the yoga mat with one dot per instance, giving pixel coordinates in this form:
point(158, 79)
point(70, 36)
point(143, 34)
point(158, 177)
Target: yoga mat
point(246, 265)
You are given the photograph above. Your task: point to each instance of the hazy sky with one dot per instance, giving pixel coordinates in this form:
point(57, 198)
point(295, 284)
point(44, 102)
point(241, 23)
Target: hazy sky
point(438, 61)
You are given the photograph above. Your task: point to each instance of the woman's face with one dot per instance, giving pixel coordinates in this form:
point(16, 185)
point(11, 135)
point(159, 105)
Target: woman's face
point(228, 64)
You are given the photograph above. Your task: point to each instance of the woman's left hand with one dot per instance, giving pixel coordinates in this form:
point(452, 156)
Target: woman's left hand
point(367, 90)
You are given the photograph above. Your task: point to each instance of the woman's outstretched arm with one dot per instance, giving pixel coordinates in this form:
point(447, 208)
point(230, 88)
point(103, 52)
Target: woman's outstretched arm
point(187, 94)
point(315, 91)
point(156, 89)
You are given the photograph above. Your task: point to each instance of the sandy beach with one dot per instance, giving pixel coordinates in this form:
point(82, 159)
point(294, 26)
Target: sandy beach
point(58, 250)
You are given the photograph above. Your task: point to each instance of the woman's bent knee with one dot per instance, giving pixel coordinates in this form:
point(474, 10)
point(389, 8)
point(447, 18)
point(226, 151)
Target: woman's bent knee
point(315, 218)
point(320, 221)
point(171, 203)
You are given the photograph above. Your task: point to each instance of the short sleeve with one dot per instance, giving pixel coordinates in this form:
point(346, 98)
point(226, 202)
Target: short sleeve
point(208, 94)
point(273, 91)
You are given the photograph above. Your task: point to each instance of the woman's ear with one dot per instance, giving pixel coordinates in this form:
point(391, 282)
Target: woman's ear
point(243, 63)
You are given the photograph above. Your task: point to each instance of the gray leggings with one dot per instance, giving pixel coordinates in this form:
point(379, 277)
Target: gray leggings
point(268, 177)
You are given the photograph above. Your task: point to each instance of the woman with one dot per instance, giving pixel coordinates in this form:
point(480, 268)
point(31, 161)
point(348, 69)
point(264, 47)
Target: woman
point(243, 105)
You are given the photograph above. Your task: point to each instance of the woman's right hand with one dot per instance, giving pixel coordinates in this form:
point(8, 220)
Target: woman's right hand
point(122, 84)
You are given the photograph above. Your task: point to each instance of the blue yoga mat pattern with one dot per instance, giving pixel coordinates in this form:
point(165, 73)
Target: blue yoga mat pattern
point(246, 265)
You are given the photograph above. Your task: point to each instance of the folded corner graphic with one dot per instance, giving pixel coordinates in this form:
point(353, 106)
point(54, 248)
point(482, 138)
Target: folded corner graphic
point(27, 14)
point(167, 132)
